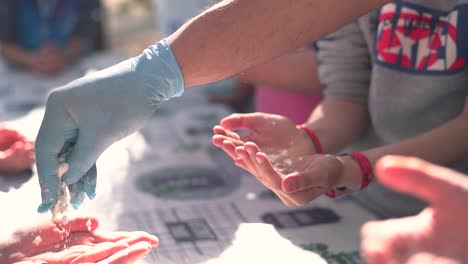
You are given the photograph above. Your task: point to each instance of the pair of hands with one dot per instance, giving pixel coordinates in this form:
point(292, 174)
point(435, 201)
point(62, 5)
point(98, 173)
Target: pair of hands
point(279, 155)
point(16, 152)
point(48, 60)
point(79, 243)
point(436, 235)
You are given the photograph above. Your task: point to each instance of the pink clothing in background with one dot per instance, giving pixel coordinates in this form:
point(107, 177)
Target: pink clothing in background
point(294, 105)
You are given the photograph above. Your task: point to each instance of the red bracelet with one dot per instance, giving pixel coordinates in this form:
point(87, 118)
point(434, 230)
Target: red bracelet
point(313, 137)
point(366, 174)
point(366, 169)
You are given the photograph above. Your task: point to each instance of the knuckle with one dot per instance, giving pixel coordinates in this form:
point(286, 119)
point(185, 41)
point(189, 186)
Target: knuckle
point(56, 100)
point(55, 96)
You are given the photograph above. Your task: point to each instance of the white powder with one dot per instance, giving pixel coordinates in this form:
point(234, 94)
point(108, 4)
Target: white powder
point(274, 157)
point(37, 240)
point(250, 196)
point(89, 225)
point(59, 214)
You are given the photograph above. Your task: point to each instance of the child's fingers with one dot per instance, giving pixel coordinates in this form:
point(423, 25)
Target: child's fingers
point(238, 161)
point(244, 156)
point(264, 167)
point(219, 130)
point(129, 255)
point(229, 148)
point(219, 139)
point(130, 238)
point(251, 121)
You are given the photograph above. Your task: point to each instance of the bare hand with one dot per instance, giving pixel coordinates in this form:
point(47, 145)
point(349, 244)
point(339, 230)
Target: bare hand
point(311, 175)
point(275, 135)
point(46, 244)
point(279, 155)
point(16, 153)
point(8, 137)
point(437, 235)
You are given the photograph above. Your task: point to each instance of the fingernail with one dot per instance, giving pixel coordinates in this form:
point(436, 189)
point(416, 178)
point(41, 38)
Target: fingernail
point(45, 207)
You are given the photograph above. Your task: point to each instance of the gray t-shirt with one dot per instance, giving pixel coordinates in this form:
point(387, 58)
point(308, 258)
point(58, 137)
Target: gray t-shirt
point(408, 61)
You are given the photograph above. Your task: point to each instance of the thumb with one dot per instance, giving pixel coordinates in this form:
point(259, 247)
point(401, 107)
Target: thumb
point(422, 179)
point(316, 174)
point(300, 181)
point(244, 121)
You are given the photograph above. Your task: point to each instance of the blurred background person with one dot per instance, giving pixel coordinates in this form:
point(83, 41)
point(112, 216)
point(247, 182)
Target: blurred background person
point(45, 35)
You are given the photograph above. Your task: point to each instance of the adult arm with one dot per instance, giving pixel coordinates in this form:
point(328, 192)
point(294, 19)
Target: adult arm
point(296, 71)
point(230, 37)
point(222, 41)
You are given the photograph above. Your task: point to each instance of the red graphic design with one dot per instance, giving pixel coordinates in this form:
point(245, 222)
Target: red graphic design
point(418, 41)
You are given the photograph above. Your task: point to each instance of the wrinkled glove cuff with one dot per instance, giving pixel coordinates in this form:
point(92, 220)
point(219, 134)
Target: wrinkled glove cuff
point(160, 72)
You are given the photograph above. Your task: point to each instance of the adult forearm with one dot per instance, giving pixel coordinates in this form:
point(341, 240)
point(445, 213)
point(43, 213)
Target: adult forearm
point(238, 34)
point(295, 71)
point(338, 122)
point(15, 55)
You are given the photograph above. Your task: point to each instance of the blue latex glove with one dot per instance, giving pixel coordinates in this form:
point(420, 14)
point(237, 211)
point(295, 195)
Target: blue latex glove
point(87, 115)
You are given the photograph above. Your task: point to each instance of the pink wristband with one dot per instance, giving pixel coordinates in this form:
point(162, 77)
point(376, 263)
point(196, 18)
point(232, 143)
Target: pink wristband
point(366, 174)
point(366, 169)
point(313, 137)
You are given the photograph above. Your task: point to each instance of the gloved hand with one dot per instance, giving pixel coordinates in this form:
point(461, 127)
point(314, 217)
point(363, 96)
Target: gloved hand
point(87, 115)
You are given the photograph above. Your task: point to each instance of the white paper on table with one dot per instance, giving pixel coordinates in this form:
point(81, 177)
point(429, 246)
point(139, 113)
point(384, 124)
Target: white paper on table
point(260, 243)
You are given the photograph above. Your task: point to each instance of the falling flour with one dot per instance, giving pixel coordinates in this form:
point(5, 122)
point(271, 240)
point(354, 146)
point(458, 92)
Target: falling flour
point(37, 240)
point(59, 214)
point(89, 225)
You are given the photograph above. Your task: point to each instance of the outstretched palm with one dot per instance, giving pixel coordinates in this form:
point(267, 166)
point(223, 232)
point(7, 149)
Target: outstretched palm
point(275, 135)
point(78, 243)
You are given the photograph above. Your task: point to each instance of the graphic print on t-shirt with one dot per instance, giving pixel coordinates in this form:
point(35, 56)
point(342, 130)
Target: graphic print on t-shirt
point(421, 40)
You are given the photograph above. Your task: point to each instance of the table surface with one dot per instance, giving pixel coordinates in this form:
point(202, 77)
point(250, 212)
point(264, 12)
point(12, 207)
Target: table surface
point(169, 180)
